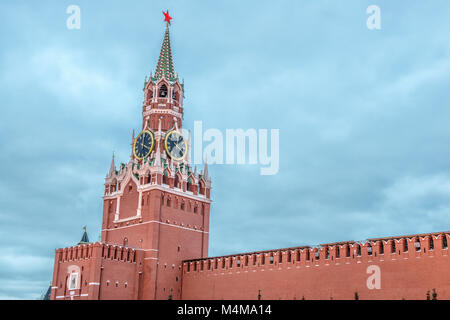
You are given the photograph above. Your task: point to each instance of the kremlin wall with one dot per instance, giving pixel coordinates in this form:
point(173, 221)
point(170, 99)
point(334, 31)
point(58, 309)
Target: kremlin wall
point(408, 268)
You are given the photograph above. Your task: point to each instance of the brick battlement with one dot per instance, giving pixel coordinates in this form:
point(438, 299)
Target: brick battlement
point(379, 249)
point(106, 251)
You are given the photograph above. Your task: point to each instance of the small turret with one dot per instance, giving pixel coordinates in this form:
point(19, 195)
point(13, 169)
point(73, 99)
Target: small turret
point(84, 238)
point(112, 168)
point(132, 145)
point(205, 171)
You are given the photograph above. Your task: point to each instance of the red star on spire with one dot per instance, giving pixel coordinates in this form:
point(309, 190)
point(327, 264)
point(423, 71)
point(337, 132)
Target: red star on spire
point(167, 18)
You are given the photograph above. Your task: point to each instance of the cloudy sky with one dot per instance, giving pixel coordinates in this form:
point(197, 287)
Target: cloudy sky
point(363, 116)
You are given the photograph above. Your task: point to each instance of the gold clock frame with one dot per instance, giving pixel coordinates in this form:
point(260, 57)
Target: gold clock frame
point(168, 134)
point(151, 148)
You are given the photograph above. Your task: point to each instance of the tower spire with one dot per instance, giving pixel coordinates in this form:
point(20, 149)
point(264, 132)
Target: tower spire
point(165, 67)
point(112, 168)
point(205, 170)
point(132, 145)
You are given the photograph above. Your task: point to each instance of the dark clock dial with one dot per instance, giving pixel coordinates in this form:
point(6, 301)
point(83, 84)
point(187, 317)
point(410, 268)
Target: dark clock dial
point(143, 144)
point(175, 145)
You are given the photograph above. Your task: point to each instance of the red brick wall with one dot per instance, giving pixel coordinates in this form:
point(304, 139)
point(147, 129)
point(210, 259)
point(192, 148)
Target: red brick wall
point(100, 267)
point(403, 275)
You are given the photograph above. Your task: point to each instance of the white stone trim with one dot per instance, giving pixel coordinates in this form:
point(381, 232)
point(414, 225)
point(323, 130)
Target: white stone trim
point(177, 191)
point(149, 111)
point(116, 216)
point(127, 219)
point(149, 186)
point(154, 221)
point(138, 213)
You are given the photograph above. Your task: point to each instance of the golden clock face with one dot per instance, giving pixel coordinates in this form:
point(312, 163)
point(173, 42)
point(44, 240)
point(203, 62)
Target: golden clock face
point(175, 145)
point(143, 144)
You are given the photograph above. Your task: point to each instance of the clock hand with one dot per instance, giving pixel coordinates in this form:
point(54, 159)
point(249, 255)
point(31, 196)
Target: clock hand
point(176, 145)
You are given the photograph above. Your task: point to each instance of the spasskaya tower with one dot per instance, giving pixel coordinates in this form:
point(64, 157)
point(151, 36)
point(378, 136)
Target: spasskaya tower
point(155, 207)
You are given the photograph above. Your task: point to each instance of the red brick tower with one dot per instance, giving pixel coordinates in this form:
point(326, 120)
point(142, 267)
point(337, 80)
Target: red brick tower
point(155, 210)
point(158, 203)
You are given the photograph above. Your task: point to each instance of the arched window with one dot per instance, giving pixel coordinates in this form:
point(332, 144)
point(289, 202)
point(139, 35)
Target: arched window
point(150, 94)
point(381, 247)
point(165, 178)
point(393, 246)
point(177, 181)
point(338, 252)
point(444, 241)
point(347, 250)
point(163, 91)
point(202, 187)
point(358, 252)
point(431, 247)
point(190, 186)
point(175, 95)
point(73, 281)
